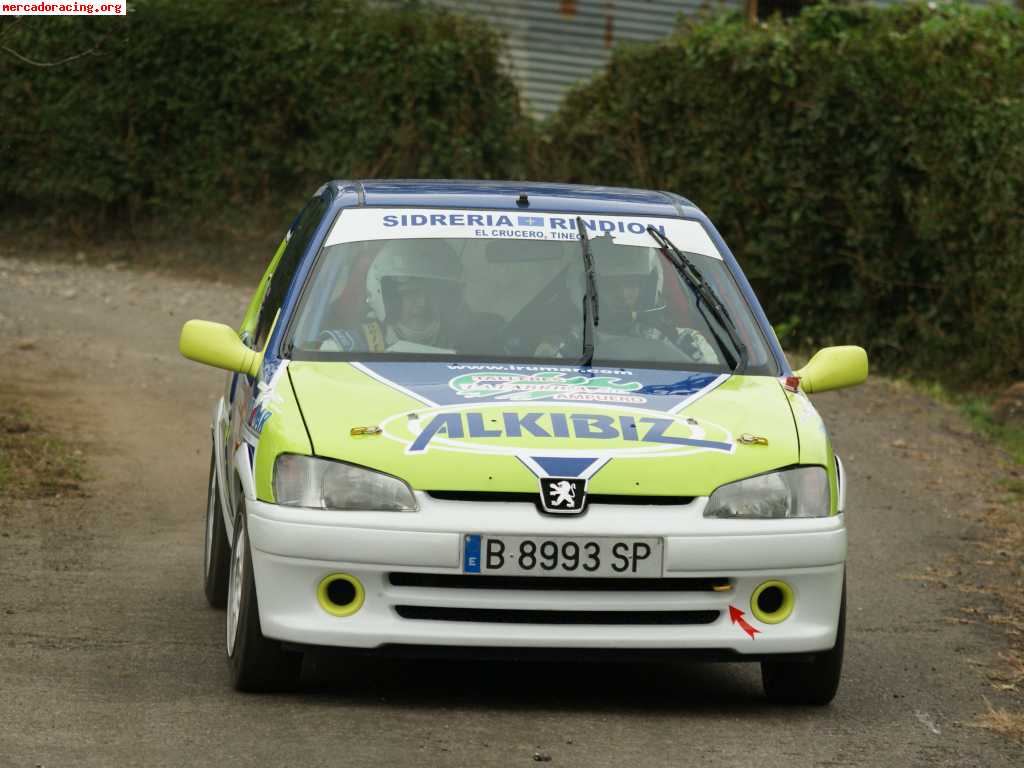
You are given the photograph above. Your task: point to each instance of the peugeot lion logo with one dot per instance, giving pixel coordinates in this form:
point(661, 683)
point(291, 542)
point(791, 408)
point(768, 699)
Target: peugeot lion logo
point(559, 494)
point(562, 494)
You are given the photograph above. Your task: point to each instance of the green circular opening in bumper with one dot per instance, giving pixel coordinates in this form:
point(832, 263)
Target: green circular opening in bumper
point(353, 589)
point(772, 602)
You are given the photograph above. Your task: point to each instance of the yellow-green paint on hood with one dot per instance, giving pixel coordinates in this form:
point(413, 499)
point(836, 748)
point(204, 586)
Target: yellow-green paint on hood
point(496, 428)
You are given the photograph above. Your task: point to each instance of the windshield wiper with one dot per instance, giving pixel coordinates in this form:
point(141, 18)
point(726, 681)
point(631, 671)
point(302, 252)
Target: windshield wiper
point(590, 311)
point(705, 298)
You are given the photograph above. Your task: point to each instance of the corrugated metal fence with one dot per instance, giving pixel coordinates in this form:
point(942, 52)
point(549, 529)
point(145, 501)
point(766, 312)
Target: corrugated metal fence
point(553, 44)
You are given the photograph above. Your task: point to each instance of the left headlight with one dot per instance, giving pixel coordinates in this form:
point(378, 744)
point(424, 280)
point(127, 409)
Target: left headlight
point(305, 481)
point(799, 492)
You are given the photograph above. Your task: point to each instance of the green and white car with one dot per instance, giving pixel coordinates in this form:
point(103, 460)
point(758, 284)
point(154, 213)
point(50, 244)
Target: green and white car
point(520, 419)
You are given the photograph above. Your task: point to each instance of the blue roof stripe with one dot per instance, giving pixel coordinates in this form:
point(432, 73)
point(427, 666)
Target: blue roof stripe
point(513, 189)
point(505, 194)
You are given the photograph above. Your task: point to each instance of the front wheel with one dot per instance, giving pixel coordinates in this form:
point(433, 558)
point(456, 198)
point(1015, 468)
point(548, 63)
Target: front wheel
point(808, 682)
point(256, 663)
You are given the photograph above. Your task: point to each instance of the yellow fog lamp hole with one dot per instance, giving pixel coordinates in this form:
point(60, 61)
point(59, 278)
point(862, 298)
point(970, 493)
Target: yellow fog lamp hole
point(340, 594)
point(772, 602)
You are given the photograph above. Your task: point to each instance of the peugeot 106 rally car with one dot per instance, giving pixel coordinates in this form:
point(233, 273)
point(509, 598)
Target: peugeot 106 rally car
point(476, 417)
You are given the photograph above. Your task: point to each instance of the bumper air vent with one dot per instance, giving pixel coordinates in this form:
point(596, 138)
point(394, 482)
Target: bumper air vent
point(509, 616)
point(557, 583)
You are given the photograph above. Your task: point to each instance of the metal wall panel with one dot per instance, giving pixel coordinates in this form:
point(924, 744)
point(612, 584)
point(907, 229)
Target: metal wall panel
point(553, 44)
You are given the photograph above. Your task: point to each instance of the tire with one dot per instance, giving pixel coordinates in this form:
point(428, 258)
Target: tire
point(256, 663)
point(812, 682)
point(216, 548)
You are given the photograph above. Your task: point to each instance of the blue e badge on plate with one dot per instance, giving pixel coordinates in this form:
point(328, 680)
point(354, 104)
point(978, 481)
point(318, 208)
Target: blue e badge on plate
point(471, 555)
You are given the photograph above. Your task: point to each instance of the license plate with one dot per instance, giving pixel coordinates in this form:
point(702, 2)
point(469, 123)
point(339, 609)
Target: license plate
point(562, 556)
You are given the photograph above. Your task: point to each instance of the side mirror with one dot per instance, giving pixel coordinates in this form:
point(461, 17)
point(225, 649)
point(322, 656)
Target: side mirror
point(834, 368)
point(218, 345)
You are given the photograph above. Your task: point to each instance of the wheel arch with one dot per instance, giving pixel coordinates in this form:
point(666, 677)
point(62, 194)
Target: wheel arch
point(841, 484)
point(243, 480)
point(221, 473)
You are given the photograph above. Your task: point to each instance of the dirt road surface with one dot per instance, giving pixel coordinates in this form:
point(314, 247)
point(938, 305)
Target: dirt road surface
point(109, 655)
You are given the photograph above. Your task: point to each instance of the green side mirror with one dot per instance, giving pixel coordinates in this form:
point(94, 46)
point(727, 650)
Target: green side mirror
point(834, 368)
point(218, 345)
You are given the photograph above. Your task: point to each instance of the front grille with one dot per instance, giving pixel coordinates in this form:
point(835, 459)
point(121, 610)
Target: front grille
point(534, 498)
point(508, 616)
point(557, 583)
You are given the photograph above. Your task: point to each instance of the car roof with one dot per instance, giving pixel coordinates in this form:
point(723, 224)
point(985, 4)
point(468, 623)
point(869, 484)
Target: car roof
point(497, 195)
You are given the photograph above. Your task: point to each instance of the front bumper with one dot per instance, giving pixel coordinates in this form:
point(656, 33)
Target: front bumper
point(294, 549)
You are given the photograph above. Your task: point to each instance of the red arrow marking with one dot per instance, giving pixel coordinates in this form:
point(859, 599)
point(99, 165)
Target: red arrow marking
point(736, 616)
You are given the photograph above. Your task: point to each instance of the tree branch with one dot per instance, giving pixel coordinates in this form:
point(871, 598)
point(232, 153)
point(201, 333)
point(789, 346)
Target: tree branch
point(34, 63)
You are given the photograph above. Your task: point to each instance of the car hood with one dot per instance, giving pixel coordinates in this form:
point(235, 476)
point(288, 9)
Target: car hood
point(497, 428)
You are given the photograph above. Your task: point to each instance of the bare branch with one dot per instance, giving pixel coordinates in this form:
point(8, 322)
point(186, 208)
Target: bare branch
point(27, 60)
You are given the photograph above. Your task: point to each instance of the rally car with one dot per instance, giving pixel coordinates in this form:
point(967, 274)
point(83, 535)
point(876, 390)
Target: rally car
point(482, 417)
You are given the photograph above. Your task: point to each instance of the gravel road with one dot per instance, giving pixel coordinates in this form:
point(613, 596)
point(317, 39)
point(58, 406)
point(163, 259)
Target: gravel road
point(109, 655)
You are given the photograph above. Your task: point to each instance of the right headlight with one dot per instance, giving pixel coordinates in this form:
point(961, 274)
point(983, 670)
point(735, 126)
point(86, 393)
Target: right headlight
point(306, 481)
point(798, 492)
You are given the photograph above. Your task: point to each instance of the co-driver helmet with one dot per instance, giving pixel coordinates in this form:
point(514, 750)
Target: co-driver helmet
point(427, 259)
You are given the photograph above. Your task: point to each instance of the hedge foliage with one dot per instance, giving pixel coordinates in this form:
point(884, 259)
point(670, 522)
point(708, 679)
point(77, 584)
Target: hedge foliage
point(866, 167)
point(184, 103)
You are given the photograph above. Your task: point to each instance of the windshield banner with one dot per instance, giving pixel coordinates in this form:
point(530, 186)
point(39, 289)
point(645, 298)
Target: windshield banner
point(361, 224)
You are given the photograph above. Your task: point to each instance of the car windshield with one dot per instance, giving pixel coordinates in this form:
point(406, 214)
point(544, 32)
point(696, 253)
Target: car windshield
point(502, 294)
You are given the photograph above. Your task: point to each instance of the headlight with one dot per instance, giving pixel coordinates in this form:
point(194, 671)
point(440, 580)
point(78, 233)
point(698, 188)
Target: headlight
point(304, 481)
point(800, 492)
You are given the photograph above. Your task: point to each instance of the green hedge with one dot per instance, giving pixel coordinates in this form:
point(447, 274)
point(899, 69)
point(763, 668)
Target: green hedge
point(866, 166)
point(186, 103)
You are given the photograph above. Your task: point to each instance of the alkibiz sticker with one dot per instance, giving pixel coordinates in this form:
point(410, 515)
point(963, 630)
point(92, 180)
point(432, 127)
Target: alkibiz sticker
point(546, 385)
point(548, 429)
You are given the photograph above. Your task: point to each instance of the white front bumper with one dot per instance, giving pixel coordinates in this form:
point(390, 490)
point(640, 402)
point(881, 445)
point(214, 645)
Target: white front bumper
point(294, 549)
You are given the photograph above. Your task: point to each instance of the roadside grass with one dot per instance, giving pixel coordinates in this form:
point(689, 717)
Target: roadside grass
point(34, 464)
point(978, 410)
point(1002, 721)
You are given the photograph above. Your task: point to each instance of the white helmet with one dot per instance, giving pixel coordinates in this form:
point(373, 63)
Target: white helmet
point(612, 262)
point(425, 259)
point(626, 261)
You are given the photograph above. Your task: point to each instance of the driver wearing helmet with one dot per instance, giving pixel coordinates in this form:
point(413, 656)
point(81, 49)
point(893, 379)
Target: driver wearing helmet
point(630, 283)
point(413, 291)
